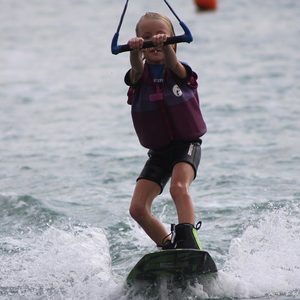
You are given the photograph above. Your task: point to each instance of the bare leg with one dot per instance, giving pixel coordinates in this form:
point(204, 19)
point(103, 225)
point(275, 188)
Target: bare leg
point(182, 176)
point(140, 209)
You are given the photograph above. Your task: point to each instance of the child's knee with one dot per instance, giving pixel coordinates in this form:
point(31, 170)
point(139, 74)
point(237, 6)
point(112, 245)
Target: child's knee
point(178, 190)
point(134, 211)
point(137, 211)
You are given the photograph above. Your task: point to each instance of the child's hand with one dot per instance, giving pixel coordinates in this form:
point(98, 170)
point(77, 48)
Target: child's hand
point(136, 43)
point(159, 39)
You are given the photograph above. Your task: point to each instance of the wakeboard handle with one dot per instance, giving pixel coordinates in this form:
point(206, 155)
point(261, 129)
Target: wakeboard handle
point(184, 38)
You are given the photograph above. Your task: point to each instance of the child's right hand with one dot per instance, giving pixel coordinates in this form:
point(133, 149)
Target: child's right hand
point(136, 43)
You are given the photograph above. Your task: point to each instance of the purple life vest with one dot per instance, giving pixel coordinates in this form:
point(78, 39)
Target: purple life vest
point(165, 110)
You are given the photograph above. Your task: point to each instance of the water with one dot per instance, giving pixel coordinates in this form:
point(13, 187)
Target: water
point(69, 155)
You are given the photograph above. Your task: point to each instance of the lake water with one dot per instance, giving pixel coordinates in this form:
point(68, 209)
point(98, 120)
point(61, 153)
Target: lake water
point(69, 156)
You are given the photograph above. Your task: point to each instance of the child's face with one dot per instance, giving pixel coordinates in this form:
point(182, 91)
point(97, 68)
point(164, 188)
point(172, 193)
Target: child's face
point(148, 27)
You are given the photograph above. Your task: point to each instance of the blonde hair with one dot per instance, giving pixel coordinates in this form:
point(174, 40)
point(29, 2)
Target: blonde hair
point(156, 16)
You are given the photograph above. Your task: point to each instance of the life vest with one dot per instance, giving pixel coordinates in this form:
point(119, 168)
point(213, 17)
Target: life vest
point(165, 110)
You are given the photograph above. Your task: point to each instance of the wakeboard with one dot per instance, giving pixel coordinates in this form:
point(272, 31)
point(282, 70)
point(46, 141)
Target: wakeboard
point(175, 263)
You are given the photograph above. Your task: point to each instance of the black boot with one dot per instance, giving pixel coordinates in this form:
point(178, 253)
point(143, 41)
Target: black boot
point(186, 236)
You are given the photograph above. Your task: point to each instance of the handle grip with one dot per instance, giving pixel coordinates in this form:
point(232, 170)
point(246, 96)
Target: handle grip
point(184, 38)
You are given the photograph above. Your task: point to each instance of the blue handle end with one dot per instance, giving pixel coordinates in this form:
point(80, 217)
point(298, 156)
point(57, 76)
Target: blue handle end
point(114, 44)
point(187, 32)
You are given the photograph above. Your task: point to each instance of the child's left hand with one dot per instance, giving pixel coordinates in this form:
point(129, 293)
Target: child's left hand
point(159, 39)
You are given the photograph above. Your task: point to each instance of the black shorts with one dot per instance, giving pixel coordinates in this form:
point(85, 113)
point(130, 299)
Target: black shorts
point(159, 166)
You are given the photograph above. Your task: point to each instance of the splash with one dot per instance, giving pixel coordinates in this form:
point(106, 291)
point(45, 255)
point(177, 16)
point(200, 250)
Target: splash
point(265, 260)
point(58, 264)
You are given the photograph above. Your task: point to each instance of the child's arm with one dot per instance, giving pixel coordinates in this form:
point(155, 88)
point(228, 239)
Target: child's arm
point(171, 61)
point(136, 59)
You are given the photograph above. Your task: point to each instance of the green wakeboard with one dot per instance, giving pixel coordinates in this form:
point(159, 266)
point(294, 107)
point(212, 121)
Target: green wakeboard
point(175, 263)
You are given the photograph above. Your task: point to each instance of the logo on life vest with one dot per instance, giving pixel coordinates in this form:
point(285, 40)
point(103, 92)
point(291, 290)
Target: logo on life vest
point(177, 91)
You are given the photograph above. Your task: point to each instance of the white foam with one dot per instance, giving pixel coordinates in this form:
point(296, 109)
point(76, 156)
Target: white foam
point(72, 263)
point(265, 260)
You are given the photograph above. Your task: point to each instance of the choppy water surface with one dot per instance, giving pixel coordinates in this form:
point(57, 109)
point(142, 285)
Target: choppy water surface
point(69, 155)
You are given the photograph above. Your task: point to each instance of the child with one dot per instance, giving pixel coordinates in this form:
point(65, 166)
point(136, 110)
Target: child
point(168, 121)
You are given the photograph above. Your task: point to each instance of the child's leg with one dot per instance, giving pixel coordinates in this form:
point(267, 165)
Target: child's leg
point(182, 176)
point(186, 234)
point(140, 209)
